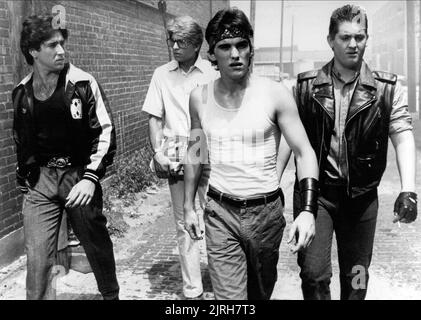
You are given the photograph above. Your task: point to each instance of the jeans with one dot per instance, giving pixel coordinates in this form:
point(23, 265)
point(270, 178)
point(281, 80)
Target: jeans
point(189, 249)
point(354, 224)
point(43, 207)
point(243, 248)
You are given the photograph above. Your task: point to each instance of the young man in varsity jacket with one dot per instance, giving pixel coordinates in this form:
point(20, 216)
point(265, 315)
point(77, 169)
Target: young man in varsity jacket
point(64, 138)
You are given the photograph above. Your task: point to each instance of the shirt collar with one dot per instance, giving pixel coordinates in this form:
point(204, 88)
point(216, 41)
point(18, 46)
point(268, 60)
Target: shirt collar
point(199, 64)
point(338, 76)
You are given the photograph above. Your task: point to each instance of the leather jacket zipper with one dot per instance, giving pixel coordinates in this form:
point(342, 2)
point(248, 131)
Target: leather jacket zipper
point(323, 130)
point(366, 105)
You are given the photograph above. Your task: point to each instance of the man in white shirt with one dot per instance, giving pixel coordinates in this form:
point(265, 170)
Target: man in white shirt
point(167, 103)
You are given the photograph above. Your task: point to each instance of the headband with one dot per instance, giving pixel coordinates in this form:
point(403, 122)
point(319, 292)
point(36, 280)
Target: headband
point(229, 33)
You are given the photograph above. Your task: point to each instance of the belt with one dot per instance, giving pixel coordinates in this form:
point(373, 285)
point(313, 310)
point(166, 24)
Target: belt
point(58, 162)
point(244, 202)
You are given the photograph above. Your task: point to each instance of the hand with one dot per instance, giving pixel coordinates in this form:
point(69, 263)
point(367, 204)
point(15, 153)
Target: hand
point(191, 224)
point(81, 194)
point(405, 207)
point(162, 164)
point(304, 225)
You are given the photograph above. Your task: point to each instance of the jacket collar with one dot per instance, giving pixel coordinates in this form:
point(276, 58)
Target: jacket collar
point(363, 93)
point(324, 76)
point(73, 75)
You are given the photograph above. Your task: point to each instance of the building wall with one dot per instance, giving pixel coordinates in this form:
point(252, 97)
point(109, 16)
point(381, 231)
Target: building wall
point(120, 42)
point(388, 37)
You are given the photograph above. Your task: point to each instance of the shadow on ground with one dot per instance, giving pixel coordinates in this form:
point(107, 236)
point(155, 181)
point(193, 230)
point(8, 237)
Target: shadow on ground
point(165, 278)
point(75, 296)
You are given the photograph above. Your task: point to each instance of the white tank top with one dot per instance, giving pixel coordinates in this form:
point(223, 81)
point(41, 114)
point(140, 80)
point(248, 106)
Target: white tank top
point(243, 143)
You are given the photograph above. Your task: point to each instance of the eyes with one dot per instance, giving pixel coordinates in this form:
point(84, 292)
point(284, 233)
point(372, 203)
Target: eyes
point(54, 44)
point(181, 43)
point(242, 45)
point(347, 37)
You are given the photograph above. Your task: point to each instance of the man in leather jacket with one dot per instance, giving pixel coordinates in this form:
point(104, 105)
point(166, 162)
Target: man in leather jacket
point(64, 138)
point(349, 112)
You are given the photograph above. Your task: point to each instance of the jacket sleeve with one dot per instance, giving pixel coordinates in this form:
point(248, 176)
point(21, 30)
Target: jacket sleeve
point(21, 171)
point(101, 126)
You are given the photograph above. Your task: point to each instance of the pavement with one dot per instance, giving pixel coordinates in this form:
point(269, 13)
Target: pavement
point(148, 266)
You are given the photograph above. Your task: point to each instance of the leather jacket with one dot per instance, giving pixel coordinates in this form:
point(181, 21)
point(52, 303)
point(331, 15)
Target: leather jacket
point(89, 120)
point(367, 124)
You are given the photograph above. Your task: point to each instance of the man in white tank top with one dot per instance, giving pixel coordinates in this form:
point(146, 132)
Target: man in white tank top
point(236, 123)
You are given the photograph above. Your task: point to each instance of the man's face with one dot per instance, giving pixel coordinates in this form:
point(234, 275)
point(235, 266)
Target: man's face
point(51, 54)
point(349, 44)
point(183, 50)
point(233, 57)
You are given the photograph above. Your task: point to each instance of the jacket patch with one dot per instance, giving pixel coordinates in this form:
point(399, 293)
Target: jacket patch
point(76, 108)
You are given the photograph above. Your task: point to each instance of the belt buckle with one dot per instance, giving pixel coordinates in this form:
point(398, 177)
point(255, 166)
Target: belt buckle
point(61, 162)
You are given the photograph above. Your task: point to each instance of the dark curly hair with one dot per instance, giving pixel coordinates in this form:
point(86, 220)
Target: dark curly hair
point(227, 19)
point(37, 29)
point(346, 13)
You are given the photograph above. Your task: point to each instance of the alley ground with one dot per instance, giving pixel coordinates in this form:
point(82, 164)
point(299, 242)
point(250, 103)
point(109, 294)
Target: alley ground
point(147, 256)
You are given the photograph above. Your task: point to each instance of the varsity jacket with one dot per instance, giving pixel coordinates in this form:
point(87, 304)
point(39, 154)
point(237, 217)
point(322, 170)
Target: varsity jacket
point(89, 120)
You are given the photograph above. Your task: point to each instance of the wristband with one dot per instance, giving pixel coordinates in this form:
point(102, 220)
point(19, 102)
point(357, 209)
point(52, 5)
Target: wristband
point(309, 193)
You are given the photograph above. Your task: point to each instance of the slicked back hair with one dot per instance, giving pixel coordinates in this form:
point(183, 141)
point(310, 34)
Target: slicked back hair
point(347, 13)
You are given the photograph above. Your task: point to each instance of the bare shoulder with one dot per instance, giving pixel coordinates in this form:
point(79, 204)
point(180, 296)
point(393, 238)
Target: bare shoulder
point(197, 100)
point(270, 87)
point(276, 93)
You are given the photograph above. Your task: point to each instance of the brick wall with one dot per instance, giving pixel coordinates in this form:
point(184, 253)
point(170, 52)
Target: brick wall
point(120, 42)
point(9, 196)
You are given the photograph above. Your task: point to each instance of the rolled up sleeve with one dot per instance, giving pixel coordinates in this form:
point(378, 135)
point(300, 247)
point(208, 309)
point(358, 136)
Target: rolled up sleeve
point(400, 118)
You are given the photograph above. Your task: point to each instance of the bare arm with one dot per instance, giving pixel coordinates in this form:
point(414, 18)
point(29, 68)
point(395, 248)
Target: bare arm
point(405, 207)
point(404, 145)
point(284, 154)
point(193, 165)
point(296, 137)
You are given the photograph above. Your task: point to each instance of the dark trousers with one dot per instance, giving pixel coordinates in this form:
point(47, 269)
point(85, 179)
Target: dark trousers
point(42, 212)
point(354, 223)
point(243, 248)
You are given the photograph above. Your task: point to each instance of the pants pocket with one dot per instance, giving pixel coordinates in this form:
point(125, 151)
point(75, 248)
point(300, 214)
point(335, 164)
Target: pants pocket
point(216, 227)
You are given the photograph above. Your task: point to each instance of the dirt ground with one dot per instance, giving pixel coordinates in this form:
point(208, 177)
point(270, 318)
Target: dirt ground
point(147, 257)
point(148, 206)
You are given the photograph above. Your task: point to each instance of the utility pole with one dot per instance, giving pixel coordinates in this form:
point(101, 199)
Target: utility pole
point(411, 56)
point(210, 10)
point(281, 67)
point(162, 6)
point(292, 45)
point(419, 59)
point(253, 13)
point(253, 22)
